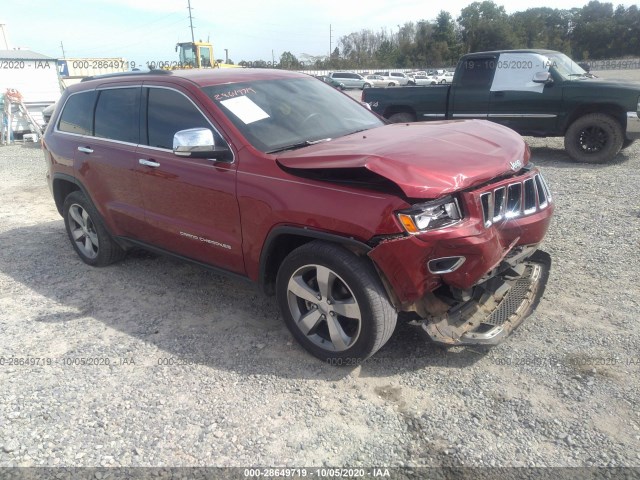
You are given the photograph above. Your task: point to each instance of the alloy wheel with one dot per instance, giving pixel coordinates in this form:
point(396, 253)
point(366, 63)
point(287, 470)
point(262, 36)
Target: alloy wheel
point(83, 231)
point(324, 308)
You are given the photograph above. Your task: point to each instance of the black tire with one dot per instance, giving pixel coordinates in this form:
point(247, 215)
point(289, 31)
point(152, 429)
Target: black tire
point(366, 85)
point(594, 138)
point(391, 84)
point(352, 284)
point(402, 117)
point(87, 233)
point(627, 143)
point(442, 81)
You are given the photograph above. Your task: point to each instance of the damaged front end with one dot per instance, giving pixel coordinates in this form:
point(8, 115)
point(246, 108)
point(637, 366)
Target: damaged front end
point(479, 276)
point(489, 311)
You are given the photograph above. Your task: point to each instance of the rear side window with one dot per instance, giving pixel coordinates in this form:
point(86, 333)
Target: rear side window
point(478, 72)
point(118, 114)
point(168, 112)
point(77, 116)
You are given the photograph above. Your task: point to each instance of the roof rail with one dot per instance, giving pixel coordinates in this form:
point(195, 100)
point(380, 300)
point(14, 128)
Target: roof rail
point(127, 74)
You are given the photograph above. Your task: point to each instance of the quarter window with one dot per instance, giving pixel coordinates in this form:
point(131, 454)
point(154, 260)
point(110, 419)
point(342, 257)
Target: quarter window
point(118, 115)
point(77, 116)
point(169, 112)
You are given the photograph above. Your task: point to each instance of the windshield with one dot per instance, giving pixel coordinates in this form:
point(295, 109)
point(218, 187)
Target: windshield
point(187, 54)
point(290, 113)
point(565, 67)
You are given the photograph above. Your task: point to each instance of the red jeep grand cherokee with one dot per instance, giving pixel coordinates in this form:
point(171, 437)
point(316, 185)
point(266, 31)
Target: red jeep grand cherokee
point(278, 177)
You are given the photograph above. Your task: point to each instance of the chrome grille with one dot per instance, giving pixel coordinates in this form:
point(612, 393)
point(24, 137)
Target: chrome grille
point(514, 200)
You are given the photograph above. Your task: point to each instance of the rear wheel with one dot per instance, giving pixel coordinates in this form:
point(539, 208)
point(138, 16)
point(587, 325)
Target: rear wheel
point(87, 233)
point(594, 138)
point(402, 117)
point(333, 303)
point(366, 85)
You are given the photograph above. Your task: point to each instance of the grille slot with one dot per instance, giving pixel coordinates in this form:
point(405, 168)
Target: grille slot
point(542, 195)
point(487, 208)
point(511, 201)
point(499, 203)
point(529, 197)
point(514, 200)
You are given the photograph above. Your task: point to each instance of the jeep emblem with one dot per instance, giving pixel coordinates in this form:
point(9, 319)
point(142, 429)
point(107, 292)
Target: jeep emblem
point(517, 165)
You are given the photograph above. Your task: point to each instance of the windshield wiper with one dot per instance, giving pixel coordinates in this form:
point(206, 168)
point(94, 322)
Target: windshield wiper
point(306, 143)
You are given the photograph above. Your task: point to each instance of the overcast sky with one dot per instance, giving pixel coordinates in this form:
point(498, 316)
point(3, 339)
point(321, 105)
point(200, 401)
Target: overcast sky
point(249, 29)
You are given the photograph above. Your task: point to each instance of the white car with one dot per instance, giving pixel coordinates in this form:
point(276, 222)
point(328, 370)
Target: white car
point(394, 78)
point(380, 81)
point(446, 77)
point(422, 80)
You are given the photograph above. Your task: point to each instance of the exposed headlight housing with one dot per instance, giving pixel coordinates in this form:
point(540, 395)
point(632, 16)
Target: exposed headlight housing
point(427, 216)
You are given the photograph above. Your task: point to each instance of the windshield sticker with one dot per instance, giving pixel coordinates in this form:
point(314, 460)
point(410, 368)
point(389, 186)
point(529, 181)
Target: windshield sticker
point(245, 109)
point(515, 71)
point(233, 93)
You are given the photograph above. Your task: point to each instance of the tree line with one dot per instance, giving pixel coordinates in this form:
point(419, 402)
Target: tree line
point(595, 31)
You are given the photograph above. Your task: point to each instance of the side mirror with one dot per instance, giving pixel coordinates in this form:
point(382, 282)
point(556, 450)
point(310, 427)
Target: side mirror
point(199, 143)
point(542, 77)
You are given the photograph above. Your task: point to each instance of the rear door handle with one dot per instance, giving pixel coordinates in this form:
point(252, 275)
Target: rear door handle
point(85, 149)
point(148, 163)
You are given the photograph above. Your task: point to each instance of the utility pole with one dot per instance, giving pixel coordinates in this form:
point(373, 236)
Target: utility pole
point(273, 59)
point(62, 47)
point(5, 36)
point(226, 55)
point(330, 42)
point(191, 21)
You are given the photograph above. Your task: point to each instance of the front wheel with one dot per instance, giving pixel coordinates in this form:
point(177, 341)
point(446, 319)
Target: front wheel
point(87, 234)
point(333, 303)
point(366, 85)
point(594, 138)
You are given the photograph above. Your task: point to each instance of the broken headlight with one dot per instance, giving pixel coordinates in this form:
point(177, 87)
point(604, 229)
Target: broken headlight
point(422, 217)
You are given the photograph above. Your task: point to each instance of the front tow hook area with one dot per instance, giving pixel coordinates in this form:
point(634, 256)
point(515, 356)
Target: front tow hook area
point(496, 306)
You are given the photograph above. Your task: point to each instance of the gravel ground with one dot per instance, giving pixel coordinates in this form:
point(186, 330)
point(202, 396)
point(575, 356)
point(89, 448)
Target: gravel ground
point(202, 371)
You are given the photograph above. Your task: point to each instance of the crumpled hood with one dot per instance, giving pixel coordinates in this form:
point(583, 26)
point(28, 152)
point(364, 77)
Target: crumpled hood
point(425, 159)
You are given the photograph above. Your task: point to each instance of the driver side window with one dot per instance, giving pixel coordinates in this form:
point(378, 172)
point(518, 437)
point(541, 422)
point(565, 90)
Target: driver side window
point(168, 112)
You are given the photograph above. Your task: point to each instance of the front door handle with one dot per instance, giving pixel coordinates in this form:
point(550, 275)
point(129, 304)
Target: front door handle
point(148, 163)
point(85, 149)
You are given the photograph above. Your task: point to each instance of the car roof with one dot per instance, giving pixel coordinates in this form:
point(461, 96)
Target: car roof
point(200, 77)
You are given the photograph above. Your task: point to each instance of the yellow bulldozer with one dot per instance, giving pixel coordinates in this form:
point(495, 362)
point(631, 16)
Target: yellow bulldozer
point(199, 55)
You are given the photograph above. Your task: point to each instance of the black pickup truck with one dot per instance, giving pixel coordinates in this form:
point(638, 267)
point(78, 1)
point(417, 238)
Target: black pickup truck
point(541, 93)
